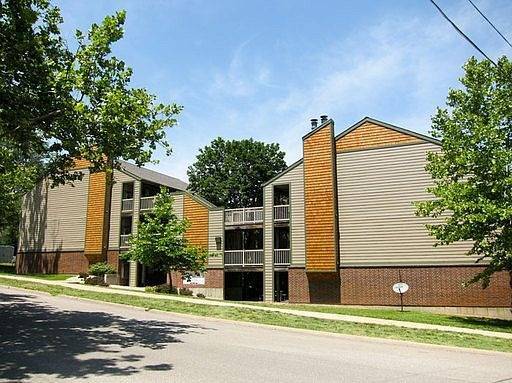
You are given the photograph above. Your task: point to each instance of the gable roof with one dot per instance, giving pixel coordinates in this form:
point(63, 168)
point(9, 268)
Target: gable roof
point(291, 167)
point(350, 129)
point(152, 176)
point(388, 126)
point(314, 130)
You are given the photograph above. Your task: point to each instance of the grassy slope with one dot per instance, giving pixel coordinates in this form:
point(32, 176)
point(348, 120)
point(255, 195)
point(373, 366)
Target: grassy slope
point(278, 319)
point(10, 270)
point(408, 316)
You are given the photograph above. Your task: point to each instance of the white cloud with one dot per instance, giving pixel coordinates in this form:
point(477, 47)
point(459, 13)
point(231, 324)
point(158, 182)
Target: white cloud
point(397, 70)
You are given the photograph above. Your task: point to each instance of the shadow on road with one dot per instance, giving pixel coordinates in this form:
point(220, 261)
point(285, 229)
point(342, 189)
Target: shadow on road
point(36, 338)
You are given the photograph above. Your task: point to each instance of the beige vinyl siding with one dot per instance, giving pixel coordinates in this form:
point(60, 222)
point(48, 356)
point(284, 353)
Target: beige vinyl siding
point(215, 229)
point(53, 219)
point(115, 207)
point(136, 206)
point(268, 245)
point(178, 205)
point(294, 178)
point(377, 219)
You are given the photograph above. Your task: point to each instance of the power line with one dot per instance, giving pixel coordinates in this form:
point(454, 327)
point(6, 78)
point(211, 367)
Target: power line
point(462, 33)
point(492, 25)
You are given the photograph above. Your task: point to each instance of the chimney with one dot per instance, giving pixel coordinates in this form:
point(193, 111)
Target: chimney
point(323, 118)
point(314, 123)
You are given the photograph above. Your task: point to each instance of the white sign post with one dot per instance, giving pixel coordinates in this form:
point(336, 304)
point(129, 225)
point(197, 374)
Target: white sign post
point(401, 288)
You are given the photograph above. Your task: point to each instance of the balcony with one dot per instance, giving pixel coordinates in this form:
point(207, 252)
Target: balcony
point(243, 216)
point(281, 257)
point(124, 240)
point(147, 203)
point(281, 213)
point(127, 204)
point(243, 257)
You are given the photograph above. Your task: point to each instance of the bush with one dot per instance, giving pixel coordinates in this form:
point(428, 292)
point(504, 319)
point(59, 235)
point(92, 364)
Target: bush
point(201, 295)
point(185, 291)
point(162, 289)
point(101, 268)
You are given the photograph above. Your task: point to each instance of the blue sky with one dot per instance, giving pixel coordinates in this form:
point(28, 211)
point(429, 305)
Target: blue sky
point(262, 69)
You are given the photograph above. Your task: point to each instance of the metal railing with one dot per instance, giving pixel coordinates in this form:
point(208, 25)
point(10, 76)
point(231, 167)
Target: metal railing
point(243, 257)
point(147, 203)
point(127, 204)
point(245, 215)
point(281, 256)
point(282, 213)
point(124, 240)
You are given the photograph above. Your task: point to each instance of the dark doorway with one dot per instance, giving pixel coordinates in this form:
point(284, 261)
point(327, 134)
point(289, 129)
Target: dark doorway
point(152, 277)
point(280, 286)
point(243, 286)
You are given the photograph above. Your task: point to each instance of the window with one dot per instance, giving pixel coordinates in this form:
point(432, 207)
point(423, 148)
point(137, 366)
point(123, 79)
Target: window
point(126, 224)
point(281, 195)
point(127, 190)
point(281, 237)
point(149, 190)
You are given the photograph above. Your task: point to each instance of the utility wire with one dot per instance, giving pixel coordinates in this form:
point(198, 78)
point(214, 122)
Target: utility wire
point(462, 33)
point(492, 25)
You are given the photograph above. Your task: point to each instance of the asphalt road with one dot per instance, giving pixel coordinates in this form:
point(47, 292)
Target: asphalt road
point(48, 339)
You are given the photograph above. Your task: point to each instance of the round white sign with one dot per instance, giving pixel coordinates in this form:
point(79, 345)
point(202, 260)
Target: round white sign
point(400, 287)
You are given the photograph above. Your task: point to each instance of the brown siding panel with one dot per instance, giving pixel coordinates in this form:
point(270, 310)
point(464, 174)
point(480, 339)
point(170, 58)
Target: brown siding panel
point(370, 135)
point(320, 200)
point(197, 215)
point(95, 220)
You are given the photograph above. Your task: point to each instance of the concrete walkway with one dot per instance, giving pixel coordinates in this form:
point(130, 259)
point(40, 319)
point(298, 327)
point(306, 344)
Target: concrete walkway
point(139, 292)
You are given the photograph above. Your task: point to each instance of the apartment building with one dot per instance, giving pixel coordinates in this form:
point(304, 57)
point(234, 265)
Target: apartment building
point(337, 226)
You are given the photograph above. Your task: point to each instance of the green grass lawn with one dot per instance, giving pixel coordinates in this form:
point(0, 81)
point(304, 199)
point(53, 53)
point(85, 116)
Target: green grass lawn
point(408, 316)
point(278, 319)
point(10, 270)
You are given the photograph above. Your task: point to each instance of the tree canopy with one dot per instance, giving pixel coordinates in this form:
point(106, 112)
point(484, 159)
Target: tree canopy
point(160, 241)
point(231, 173)
point(473, 172)
point(58, 104)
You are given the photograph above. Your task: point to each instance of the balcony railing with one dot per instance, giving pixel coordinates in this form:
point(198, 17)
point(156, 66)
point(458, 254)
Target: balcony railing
point(147, 203)
point(124, 240)
point(282, 213)
point(281, 257)
point(243, 257)
point(246, 215)
point(127, 204)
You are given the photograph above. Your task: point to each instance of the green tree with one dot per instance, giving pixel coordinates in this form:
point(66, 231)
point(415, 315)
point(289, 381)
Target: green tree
point(231, 173)
point(473, 173)
point(57, 105)
point(160, 242)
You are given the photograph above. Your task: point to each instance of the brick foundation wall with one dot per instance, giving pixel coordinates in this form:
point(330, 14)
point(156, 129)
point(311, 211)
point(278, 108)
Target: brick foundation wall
point(113, 259)
point(64, 262)
point(214, 278)
point(313, 287)
point(429, 286)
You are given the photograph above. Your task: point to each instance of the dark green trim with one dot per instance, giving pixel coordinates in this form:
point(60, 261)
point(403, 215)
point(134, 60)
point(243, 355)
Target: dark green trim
point(198, 199)
point(289, 168)
point(390, 146)
point(321, 126)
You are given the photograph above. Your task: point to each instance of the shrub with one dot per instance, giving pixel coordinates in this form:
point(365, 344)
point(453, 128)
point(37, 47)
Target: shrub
point(162, 289)
point(101, 268)
point(185, 291)
point(201, 295)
